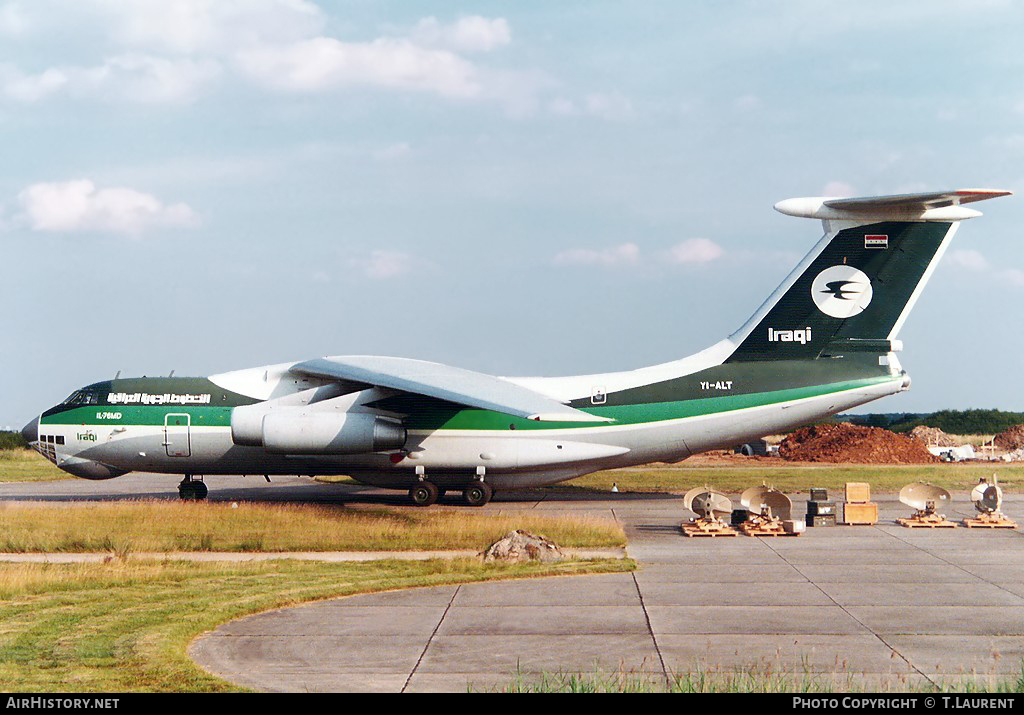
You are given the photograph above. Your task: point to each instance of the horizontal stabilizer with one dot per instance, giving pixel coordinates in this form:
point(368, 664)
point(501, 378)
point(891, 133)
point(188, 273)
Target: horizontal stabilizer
point(927, 206)
point(444, 382)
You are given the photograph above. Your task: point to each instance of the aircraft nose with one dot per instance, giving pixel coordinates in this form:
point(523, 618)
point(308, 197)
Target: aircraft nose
point(31, 431)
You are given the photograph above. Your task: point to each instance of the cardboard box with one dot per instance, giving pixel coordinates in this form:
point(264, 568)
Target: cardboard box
point(860, 513)
point(858, 492)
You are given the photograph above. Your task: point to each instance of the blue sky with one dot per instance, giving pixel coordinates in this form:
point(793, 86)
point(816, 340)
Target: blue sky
point(518, 188)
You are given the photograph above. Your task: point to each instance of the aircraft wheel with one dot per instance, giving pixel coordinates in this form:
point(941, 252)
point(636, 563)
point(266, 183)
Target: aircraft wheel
point(477, 494)
point(424, 494)
point(192, 491)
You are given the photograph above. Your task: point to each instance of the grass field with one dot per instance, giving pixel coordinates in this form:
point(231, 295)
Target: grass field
point(125, 626)
point(797, 478)
point(125, 527)
point(755, 679)
point(27, 465)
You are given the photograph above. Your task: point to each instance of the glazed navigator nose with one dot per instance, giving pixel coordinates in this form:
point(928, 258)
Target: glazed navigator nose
point(31, 431)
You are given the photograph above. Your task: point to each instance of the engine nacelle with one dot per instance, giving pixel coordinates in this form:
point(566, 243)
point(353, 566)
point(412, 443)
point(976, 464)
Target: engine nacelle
point(302, 432)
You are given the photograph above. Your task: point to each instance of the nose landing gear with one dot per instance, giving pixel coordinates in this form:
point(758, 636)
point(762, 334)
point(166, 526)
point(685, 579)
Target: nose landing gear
point(192, 489)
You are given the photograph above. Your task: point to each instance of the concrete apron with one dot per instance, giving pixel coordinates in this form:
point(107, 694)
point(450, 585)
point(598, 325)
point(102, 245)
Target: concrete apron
point(880, 607)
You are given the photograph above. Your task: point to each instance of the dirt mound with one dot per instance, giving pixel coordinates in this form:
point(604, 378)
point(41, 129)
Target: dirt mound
point(1012, 438)
point(521, 545)
point(850, 443)
point(933, 437)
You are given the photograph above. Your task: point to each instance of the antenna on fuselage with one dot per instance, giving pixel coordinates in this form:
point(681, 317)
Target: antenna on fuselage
point(117, 375)
point(172, 374)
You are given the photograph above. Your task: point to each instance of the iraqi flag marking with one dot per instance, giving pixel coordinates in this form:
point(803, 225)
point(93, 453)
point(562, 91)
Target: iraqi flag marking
point(875, 240)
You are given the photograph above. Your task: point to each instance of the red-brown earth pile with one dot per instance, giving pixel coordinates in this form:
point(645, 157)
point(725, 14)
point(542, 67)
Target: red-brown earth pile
point(850, 443)
point(1012, 438)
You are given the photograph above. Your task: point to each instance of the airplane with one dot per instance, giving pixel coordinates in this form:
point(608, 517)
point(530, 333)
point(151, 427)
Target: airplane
point(824, 342)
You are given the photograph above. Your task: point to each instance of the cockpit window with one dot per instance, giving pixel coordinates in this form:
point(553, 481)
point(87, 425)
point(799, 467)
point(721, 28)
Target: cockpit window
point(80, 397)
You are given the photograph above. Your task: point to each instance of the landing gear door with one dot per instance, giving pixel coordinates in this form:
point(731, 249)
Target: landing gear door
point(176, 435)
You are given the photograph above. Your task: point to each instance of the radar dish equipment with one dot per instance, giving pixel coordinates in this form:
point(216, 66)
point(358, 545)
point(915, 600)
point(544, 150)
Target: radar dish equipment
point(926, 500)
point(712, 508)
point(988, 498)
point(770, 512)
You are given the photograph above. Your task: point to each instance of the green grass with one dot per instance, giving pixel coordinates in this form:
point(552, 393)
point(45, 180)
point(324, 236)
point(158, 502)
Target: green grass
point(125, 626)
point(755, 679)
point(162, 526)
point(796, 479)
point(27, 465)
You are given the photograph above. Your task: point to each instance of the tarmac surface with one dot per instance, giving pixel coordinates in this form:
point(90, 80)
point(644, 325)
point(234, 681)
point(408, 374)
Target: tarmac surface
point(867, 607)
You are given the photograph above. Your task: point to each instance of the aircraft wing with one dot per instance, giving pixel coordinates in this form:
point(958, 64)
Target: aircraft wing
point(443, 382)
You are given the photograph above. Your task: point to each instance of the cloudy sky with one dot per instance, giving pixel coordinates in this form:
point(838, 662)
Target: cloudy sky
point(518, 188)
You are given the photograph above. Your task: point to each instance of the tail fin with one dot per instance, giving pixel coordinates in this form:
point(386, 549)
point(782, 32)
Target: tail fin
point(854, 290)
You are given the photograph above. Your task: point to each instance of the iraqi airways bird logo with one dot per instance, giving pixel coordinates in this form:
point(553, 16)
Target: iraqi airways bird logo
point(841, 291)
point(838, 289)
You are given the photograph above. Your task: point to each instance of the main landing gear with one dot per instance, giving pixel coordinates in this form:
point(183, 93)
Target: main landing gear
point(192, 489)
point(426, 493)
point(477, 494)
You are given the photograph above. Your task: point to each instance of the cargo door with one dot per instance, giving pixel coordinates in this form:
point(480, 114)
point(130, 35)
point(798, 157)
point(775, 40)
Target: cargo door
point(177, 440)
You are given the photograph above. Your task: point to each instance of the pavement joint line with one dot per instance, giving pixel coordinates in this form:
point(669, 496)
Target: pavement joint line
point(431, 638)
point(654, 638)
point(841, 607)
point(895, 535)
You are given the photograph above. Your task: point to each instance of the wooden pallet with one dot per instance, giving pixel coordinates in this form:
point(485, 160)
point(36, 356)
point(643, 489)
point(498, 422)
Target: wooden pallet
point(990, 523)
point(913, 523)
point(704, 528)
point(766, 531)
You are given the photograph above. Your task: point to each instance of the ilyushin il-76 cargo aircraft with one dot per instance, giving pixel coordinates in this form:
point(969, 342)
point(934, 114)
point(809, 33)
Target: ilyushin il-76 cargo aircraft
point(825, 341)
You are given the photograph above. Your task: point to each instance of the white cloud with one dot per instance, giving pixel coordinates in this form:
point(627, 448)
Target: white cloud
point(838, 188)
point(467, 34)
point(968, 258)
point(151, 79)
point(623, 255)
point(30, 88)
point(695, 250)
point(611, 106)
point(131, 77)
point(383, 264)
point(171, 52)
point(1014, 276)
point(78, 205)
point(972, 260)
point(208, 26)
point(13, 21)
point(324, 63)
point(747, 103)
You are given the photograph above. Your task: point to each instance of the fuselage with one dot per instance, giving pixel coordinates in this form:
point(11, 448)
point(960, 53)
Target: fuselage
point(182, 425)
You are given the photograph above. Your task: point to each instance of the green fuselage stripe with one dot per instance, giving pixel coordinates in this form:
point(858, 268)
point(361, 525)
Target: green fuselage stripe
point(470, 419)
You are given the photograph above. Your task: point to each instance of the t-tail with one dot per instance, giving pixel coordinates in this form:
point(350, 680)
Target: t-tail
point(853, 292)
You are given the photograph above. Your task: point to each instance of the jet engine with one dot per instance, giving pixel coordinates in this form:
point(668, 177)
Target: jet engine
point(298, 431)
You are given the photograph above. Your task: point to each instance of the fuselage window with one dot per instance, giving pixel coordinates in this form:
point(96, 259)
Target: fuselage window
point(60, 439)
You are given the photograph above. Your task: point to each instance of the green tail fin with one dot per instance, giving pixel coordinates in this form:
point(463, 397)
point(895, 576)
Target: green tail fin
point(853, 292)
